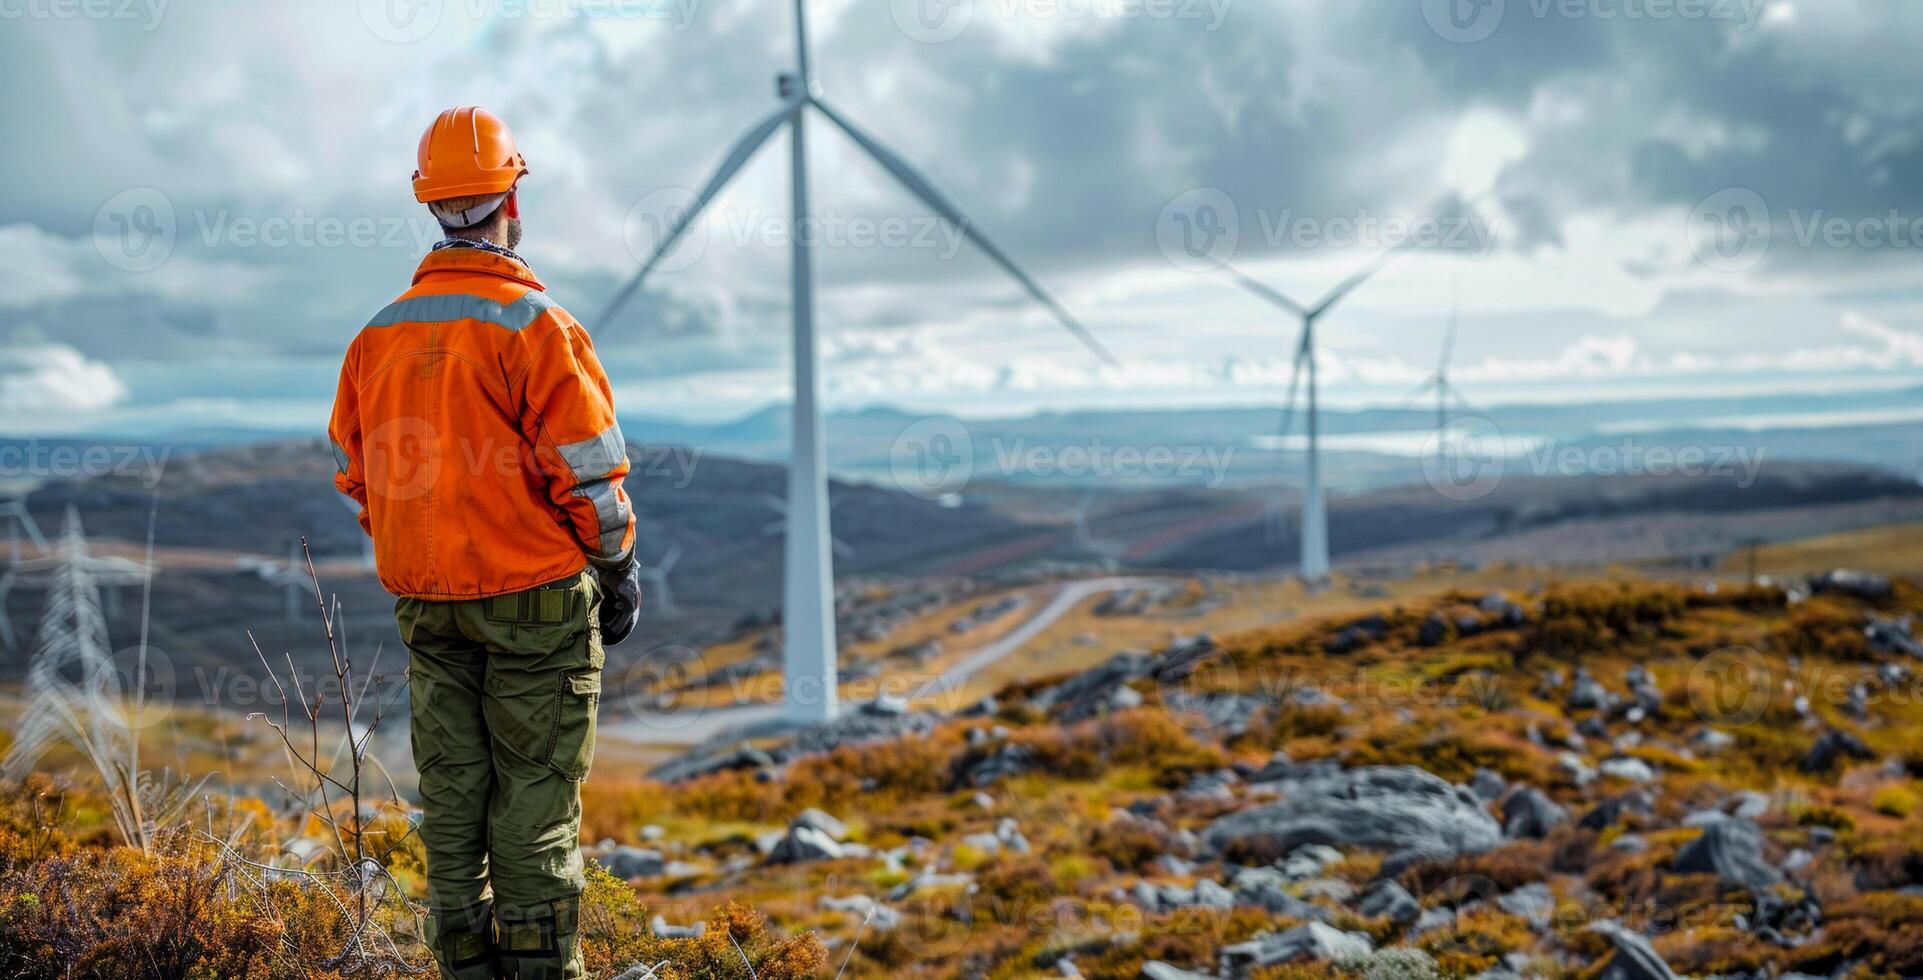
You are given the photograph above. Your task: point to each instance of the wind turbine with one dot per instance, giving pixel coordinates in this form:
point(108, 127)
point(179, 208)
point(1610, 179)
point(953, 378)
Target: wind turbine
point(656, 576)
point(1439, 381)
point(1315, 519)
point(809, 658)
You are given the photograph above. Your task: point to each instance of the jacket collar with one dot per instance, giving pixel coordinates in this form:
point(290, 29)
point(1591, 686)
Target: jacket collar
point(467, 261)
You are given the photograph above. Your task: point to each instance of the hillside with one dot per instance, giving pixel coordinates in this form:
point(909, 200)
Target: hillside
point(1605, 776)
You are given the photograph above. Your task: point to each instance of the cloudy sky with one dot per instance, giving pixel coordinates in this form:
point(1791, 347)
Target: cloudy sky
point(204, 200)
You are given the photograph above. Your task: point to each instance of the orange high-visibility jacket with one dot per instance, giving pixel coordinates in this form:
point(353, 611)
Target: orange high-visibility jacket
point(476, 429)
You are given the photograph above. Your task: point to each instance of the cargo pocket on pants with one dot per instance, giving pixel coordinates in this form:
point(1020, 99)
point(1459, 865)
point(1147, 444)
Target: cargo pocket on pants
point(576, 708)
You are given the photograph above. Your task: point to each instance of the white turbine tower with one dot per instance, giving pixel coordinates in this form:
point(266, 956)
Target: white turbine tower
point(656, 577)
point(1315, 519)
point(809, 660)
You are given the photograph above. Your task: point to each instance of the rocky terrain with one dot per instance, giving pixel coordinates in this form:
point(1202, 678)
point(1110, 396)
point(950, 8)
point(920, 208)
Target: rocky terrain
point(1600, 779)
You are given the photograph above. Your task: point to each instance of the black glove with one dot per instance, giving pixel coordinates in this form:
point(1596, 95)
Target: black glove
point(620, 602)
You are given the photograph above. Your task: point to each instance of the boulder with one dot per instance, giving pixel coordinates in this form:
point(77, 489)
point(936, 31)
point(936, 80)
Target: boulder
point(1158, 970)
point(1401, 809)
point(1488, 785)
point(1433, 630)
point(633, 862)
point(812, 817)
point(1732, 849)
point(1634, 958)
point(804, 843)
point(1614, 810)
point(1534, 903)
point(1388, 899)
point(743, 756)
point(1004, 761)
point(1868, 586)
point(1529, 812)
point(1831, 746)
point(1893, 636)
point(1094, 692)
point(1627, 767)
point(663, 930)
point(1313, 941)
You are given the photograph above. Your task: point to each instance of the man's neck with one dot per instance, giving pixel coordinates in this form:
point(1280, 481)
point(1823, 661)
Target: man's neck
point(483, 244)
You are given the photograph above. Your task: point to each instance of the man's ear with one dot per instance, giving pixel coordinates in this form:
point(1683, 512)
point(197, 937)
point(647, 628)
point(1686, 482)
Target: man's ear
point(513, 204)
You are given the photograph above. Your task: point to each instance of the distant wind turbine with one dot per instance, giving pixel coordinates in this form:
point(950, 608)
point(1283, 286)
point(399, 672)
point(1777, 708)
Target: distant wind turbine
point(1315, 521)
point(656, 577)
point(809, 658)
point(1439, 383)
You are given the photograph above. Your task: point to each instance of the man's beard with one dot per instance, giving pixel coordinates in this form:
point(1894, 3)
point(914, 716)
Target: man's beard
point(513, 233)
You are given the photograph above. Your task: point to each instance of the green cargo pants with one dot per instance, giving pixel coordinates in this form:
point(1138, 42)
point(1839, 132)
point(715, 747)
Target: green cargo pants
point(504, 695)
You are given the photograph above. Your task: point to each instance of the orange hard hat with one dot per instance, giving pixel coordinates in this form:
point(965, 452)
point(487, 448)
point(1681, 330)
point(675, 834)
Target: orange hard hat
point(467, 151)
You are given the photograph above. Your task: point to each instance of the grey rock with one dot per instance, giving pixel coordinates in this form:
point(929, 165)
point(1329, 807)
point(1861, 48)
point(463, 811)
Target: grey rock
point(633, 862)
point(1627, 767)
point(743, 756)
point(1732, 849)
point(1158, 970)
point(663, 930)
point(1588, 694)
point(1308, 861)
point(1313, 941)
point(1214, 895)
point(1488, 785)
point(1433, 630)
point(1004, 761)
point(1533, 902)
point(1634, 958)
point(1870, 586)
point(862, 907)
point(1529, 812)
point(804, 843)
point(812, 817)
point(1091, 693)
point(1632, 843)
point(1388, 899)
point(1614, 810)
point(1893, 636)
point(1395, 808)
point(1832, 746)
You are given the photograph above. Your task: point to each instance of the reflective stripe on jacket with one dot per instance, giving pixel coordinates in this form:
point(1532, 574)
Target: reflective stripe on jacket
point(476, 429)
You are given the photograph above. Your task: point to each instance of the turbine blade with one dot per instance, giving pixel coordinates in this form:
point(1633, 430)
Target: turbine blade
point(736, 159)
point(1295, 380)
point(921, 188)
point(1265, 292)
point(1348, 285)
